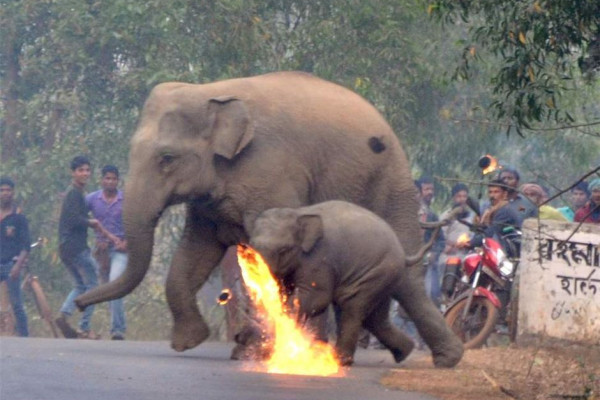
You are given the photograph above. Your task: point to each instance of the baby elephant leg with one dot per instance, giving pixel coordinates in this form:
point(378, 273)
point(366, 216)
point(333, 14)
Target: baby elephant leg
point(318, 326)
point(396, 341)
point(348, 332)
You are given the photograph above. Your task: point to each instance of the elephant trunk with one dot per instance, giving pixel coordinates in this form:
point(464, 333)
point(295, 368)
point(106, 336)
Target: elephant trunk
point(140, 242)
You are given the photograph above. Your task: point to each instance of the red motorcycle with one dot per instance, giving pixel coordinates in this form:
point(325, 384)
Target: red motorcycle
point(479, 289)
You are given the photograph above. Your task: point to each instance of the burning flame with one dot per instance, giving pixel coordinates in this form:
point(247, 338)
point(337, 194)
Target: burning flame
point(224, 297)
point(491, 164)
point(294, 350)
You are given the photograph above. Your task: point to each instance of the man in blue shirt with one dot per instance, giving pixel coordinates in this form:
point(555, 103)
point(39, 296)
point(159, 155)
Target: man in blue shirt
point(106, 206)
point(14, 249)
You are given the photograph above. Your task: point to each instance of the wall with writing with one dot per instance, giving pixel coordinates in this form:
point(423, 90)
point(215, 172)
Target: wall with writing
point(559, 281)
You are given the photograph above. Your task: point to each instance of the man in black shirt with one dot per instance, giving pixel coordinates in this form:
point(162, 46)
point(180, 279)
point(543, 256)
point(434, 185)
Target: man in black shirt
point(497, 219)
point(14, 249)
point(74, 251)
point(523, 207)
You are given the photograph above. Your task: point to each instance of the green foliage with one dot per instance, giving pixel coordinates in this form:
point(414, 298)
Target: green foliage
point(541, 48)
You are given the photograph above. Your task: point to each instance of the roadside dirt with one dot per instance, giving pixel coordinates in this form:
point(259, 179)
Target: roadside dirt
point(504, 372)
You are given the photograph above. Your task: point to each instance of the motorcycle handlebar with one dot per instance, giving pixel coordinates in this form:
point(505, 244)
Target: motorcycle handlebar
point(473, 227)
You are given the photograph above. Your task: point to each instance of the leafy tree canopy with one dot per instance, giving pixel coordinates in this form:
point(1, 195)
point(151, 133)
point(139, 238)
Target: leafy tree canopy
point(542, 48)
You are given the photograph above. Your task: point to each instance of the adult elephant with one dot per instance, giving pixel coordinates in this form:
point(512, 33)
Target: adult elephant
point(234, 148)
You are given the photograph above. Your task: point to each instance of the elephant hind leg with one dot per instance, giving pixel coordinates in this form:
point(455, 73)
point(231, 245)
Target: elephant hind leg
point(446, 348)
point(378, 323)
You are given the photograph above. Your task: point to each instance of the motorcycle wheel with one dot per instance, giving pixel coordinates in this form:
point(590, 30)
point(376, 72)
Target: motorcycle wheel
point(479, 324)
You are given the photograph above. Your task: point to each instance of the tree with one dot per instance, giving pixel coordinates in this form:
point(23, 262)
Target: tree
point(74, 76)
point(542, 48)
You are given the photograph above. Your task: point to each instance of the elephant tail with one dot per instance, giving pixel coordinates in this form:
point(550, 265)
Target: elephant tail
point(418, 256)
point(437, 226)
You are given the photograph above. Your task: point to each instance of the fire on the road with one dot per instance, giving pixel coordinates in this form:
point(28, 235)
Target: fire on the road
point(294, 350)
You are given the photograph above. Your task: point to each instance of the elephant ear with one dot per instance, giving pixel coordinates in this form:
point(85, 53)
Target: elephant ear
point(310, 231)
point(232, 128)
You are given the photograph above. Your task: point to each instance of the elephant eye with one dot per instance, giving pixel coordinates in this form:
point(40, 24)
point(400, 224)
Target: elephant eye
point(166, 159)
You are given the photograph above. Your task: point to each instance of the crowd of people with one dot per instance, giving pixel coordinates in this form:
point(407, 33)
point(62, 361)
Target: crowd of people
point(508, 204)
point(109, 258)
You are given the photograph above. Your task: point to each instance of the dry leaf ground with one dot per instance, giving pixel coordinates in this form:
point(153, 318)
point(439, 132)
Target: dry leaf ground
point(503, 372)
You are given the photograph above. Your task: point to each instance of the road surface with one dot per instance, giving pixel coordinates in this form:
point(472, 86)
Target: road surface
point(61, 369)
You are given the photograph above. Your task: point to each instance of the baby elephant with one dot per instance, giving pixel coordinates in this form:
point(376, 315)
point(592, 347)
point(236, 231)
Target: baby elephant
point(337, 252)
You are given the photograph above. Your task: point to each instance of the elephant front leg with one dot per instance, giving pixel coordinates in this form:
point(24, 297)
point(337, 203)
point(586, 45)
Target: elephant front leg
point(317, 326)
point(194, 260)
point(350, 325)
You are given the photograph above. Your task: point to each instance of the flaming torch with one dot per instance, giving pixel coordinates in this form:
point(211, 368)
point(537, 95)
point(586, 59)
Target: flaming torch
point(294, 350)
point(224, 297)
point(488, 164)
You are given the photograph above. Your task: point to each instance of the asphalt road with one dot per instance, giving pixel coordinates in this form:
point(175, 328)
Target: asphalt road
point(61, 369)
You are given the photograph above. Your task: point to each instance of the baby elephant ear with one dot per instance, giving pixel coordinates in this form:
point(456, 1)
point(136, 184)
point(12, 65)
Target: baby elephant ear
point(311, 230)
point(232, 128)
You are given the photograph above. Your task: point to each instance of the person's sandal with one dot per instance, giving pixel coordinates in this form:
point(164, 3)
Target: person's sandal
point(88, 335)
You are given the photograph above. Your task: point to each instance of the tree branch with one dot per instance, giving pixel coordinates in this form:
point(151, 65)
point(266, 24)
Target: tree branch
point(558, 128)
point(572, 186)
